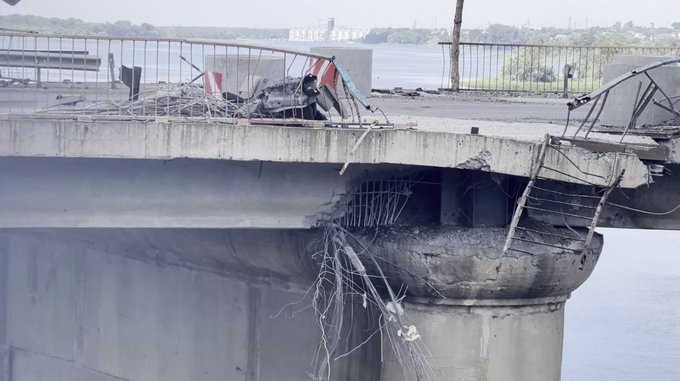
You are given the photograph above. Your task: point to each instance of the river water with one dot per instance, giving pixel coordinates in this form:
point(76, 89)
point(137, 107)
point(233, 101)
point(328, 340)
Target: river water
point(407, 66)
point(623, 324)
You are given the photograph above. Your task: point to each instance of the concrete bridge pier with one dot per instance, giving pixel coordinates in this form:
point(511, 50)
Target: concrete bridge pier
point(489, 339)
point(482, 316)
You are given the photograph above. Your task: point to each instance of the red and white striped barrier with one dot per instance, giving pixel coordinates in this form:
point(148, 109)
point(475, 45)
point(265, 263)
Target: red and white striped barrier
point(212, 83)
point(326, 72)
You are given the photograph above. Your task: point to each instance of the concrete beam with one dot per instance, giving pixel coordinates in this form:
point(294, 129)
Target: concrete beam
point(181, 139)
point(40, 192)
point(652, 207)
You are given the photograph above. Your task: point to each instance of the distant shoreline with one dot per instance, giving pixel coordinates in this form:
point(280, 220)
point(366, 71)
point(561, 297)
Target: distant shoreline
point(618, 34)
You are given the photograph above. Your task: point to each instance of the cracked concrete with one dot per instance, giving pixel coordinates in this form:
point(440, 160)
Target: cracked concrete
point(477, 163)
point(463, 263)
point(510, 154)
point(197, 304)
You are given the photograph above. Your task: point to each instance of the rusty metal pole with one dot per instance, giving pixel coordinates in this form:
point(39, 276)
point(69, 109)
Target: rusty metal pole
point(455, 47)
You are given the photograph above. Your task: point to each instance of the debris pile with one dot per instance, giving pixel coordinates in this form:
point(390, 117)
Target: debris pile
point(323, 93)
point(417, 92)
point(290, 98)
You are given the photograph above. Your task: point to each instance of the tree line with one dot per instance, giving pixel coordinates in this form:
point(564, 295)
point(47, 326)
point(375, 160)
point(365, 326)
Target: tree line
point(621, 33)
point(73, 26)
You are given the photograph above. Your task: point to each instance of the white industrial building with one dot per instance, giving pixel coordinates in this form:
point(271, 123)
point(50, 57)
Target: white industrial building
point(328, 32)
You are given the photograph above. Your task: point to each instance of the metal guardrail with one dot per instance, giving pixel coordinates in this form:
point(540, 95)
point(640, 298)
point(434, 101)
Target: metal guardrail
point(537, 68)
point(642, 101)
point(141, 77)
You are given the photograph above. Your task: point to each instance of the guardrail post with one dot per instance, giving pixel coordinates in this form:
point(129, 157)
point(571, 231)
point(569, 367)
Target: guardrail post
point(112, 72)
point(568, 74)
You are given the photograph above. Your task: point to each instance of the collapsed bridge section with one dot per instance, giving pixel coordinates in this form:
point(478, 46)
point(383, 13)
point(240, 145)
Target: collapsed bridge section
point(415, 229)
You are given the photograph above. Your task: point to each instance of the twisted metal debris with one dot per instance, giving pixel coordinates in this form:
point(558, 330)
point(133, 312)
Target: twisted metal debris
point(343, 276)
point(88, 75)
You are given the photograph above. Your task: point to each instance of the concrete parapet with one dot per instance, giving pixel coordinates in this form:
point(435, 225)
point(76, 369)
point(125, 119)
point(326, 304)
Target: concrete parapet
point(237, 70)
point(621, 101)
point(357, 61)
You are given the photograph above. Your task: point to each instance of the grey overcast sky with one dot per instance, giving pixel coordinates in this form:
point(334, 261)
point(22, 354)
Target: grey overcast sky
point(359, 13)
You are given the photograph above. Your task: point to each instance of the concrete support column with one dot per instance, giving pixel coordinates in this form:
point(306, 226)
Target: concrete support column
point(490, 340)
point(483, 315)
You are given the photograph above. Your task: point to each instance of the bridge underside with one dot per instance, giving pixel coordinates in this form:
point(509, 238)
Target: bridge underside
point(192, 193)
point(137, 269)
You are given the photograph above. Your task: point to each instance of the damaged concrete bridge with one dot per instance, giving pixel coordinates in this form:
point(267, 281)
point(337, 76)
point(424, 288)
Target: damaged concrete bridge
point(172, 247)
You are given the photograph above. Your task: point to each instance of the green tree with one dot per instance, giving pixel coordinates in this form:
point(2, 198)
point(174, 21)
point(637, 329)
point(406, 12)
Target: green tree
point(529, 66)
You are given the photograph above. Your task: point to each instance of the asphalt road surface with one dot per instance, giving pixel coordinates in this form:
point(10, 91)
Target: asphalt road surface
point(545, 110)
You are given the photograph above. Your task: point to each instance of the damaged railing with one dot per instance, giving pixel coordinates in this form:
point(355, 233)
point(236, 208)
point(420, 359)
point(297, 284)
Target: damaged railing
point(537, 68)
point(150, 78)
point(540, 199)
point(642, 101)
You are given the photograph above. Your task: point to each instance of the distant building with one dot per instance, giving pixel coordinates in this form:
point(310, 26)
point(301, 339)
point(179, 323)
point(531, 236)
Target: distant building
point(328, 33)
point(665, 36)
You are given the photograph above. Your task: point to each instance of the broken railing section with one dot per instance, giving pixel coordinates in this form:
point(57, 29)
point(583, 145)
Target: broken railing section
point(585, 207)
point(643, 99)
point(176, 78)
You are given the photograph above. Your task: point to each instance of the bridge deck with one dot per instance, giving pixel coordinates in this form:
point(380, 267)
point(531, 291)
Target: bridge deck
point(75, 137)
